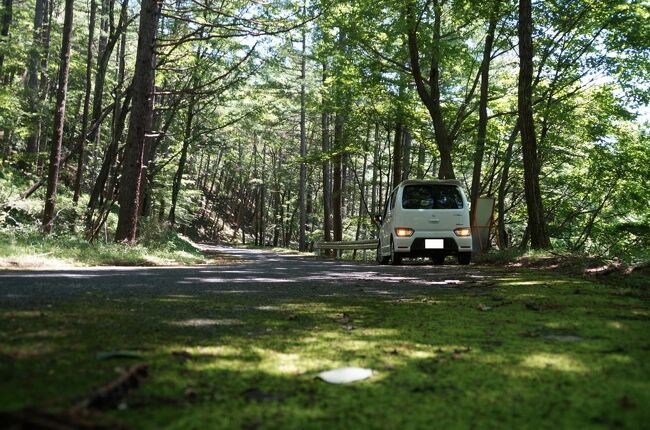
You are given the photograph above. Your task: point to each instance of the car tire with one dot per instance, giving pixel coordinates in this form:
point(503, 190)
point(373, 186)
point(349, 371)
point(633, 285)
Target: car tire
point(464, 258)
point(394, 258)
point(438, 260)
point(380, 258)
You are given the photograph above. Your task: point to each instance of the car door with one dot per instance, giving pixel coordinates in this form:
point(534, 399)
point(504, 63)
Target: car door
point(387, 223)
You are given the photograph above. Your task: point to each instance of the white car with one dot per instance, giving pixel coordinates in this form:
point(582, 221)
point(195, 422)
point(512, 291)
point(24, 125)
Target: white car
point(425, 219)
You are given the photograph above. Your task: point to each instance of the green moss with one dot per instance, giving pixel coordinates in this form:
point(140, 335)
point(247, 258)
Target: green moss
point(530, 351)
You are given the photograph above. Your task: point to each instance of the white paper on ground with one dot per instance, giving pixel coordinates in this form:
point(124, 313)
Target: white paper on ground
point(345, 375)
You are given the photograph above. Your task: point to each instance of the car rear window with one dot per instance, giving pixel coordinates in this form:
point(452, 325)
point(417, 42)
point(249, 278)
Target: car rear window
point(431, 197)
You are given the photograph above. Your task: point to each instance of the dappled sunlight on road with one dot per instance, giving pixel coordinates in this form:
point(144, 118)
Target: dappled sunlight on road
point(256, 272)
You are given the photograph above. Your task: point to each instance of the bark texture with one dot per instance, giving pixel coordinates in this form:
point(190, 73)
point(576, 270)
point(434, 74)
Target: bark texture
point(536, 222)
point(139, 122)
point(86, 106)
point(59, 118)
point(482, 110)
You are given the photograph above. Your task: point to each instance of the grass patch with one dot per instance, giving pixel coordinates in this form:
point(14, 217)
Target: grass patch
point(527, 350)
point(32, 249)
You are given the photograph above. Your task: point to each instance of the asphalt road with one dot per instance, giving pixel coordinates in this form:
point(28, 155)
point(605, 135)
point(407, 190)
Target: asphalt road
point(259, 272)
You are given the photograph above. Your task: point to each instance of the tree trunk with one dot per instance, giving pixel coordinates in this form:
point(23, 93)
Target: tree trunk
point(536, 222)
point(86, 107)
point(302, 243)
point(421, 160)
point(139, 122)
point(327, 178)
point(337, 180)
point(33, 107)
point(407, 139)
point(482, 111)
point(45, 93)
point(106, 46)
point(7, 17)
point(397, 154)
point(501, 197)
point(110, 157)
point(376, 170)
point(178, 177)
point(431, 99)
point(59, 119)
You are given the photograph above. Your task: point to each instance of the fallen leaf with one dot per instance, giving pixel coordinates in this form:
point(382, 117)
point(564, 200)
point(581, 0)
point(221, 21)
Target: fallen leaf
point(482, 307)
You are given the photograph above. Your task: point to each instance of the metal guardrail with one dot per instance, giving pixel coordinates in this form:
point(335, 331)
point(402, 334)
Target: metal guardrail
point(363, 245)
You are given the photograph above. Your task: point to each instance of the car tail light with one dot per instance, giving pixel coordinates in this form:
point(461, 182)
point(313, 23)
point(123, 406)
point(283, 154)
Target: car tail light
point(464, 232)
point(404, 231)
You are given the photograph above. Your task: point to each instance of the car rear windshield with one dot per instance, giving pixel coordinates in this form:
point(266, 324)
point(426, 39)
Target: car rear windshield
point(431, 197)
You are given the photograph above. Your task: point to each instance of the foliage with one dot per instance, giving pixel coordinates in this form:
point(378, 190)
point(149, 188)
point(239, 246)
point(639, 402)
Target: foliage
point(236, 67)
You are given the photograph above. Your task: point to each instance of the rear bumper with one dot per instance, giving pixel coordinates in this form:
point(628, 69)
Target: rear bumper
point(414, 246)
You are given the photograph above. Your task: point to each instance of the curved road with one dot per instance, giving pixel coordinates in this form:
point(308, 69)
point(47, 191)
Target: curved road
point(258, 272)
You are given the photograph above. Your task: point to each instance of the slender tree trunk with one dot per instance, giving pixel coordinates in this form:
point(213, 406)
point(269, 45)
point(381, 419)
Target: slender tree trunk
point(178, 177)
point(482, 111)
point(110, 157)
point(337, 180)
point(7, 17)
point(59, 119)
point(262, 220)
point(362, 196)
point(536, 222)
point(277, 204)
point(376, 168)
point(421, 160)
point(106, 44)
point(501, 197)
point(407, 139)
point(33, 107)
point(86, 106)
point(45, 93)
point(327, 178)
point(302, 243)
point(139, 123)
point(397, 154)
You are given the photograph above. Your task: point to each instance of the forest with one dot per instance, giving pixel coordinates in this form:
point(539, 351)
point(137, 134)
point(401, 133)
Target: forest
point(284, 123)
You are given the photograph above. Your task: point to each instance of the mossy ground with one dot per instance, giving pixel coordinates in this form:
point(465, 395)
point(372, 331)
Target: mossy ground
point(529, 350)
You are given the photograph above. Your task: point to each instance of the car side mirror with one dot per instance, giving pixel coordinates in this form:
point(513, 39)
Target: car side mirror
point(377, 218)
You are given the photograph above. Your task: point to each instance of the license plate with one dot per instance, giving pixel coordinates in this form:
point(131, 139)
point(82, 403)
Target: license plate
point(434, 243)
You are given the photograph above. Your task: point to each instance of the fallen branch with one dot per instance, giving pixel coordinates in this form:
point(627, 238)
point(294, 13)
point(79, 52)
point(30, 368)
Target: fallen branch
point(80, 416)
point(110, 396)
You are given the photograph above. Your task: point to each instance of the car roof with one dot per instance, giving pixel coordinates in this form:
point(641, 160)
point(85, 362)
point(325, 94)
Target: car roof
point(431, 182)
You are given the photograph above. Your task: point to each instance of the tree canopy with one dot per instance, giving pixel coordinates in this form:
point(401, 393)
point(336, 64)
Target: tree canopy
point(277, 121)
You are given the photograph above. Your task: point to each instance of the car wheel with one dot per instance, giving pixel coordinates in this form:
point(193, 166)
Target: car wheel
point(438, 259)
point(380, 258)
point(464, 258)
point(394, 258)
